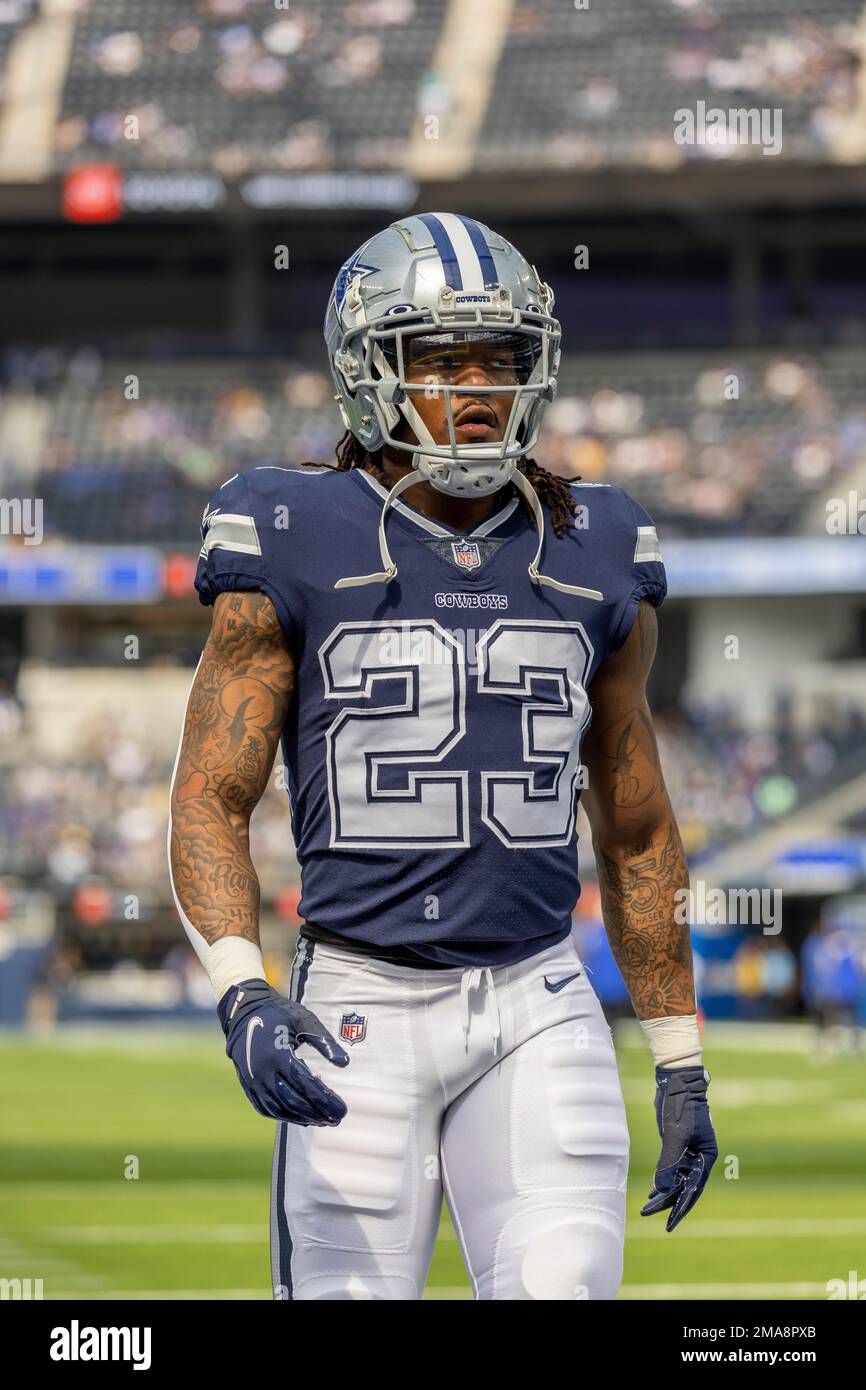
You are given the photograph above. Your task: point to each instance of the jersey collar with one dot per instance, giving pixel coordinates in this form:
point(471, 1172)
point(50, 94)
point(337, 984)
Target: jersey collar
point(435, 528)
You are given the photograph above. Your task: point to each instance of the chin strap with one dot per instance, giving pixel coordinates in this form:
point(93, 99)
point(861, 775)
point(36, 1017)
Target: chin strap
point(389, 570)
point(522, 483)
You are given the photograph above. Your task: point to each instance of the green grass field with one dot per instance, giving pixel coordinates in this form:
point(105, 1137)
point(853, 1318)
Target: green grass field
point(194, 1223)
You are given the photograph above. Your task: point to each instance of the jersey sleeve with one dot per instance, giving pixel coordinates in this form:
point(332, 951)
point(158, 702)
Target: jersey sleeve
point(233, 557)
point(646, 572)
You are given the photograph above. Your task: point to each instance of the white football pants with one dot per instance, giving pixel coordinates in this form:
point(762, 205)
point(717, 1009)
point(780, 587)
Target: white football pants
point(498, 1086)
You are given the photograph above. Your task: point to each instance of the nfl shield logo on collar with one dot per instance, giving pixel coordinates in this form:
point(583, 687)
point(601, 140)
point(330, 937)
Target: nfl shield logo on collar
point(467, 555)
point(353, 1028)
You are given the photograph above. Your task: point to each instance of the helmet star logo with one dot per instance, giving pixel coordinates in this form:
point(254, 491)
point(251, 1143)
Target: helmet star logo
point(354, 266)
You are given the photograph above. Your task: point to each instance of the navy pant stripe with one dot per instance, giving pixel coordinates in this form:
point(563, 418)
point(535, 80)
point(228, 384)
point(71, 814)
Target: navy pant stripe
point(305, 970)
point(281, 1240)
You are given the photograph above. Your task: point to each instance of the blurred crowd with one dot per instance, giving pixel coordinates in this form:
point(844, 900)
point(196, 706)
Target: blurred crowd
point(198, 80)
point(735, 446)
point(568, 91)
point(833, 964)
point(762, 979)
point(596, 100)
point(86, 834)
point(726, 781)
point(102, 815)
point(829, 977)
point(667, 428)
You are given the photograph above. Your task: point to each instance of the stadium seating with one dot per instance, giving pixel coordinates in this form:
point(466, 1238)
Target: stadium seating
point(710, 444)
point(236, 85)
point(595, 86)
point(240, 85)
point(71, 819)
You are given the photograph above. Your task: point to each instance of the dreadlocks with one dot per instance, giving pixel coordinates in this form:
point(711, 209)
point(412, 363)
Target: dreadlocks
point(553, 492)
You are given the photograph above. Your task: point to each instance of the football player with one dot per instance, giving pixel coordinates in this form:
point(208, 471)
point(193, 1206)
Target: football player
point(428, 629)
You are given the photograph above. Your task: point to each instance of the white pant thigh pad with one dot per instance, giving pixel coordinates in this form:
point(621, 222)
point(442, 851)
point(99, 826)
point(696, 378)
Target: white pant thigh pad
point(535, 1155)
point(355, 1208)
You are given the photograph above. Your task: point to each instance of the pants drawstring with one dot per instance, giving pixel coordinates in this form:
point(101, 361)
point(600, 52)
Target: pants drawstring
point(470, 982)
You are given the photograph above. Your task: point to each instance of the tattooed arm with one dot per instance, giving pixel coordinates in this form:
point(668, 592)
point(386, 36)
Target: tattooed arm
point(641, 866)
point(237, 709)
point(638, 851)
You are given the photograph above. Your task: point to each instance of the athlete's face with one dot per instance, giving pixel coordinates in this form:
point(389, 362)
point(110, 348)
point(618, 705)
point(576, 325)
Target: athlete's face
point(433, 362)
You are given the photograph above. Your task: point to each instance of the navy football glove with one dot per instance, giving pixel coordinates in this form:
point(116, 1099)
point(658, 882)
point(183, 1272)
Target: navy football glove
point(262, 1029)
point(689, 1147)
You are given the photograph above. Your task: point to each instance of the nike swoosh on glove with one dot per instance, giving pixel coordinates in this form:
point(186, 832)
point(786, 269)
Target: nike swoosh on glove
point(262, 1029)
point(689, 1147)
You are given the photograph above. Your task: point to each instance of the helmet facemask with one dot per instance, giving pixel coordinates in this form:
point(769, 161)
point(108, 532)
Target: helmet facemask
point(520, 350)
point(492, 304)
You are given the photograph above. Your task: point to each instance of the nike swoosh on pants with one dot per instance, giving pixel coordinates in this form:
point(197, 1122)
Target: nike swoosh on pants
point(559, 984)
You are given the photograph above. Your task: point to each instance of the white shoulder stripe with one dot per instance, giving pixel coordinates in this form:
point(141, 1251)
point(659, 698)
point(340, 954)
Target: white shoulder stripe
point(298, 472)
point(646, 545)
point(229, 531)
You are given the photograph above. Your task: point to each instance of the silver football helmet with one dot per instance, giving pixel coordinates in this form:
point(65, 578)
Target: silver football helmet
point(441, 278)
point(429, 284)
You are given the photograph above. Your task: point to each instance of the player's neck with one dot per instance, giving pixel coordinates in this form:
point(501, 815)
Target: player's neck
point(459, 513)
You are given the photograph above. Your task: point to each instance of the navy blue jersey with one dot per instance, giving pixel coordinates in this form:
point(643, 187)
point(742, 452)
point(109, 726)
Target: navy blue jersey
point(433, 746)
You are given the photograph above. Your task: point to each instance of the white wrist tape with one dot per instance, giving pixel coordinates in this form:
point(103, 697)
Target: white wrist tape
point(675, 1041)
point(231, 961)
